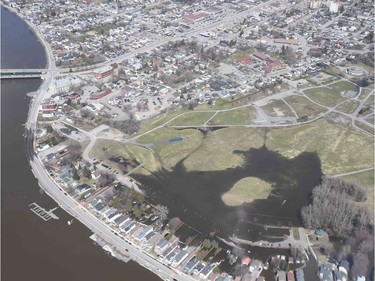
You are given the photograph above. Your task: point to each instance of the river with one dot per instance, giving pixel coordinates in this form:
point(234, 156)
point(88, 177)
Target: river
point(31, 248)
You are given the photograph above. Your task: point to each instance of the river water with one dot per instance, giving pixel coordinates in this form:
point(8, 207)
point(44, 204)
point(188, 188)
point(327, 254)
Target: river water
point(32, 249)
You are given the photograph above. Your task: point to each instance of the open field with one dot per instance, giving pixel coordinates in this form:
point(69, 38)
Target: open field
point(278, 108)
point(240, 54)
point(171, 153)
point(332, 94)
point(105, 149)
point(191, 118)
point(364, 93)
point(216, 151)
point(341, 149)
point(348, 106)
point(241, 116)
point(365, 179)
point(303, 106)
point(246, 190)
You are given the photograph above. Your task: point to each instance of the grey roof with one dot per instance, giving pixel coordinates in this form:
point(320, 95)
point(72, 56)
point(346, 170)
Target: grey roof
point(206, 270)
point(190, 264)
point(180, 256)
point(99, 206)
point(149, 236)
point(300, 275)
point(167, 251)
point(162, 243)
point(144, 232)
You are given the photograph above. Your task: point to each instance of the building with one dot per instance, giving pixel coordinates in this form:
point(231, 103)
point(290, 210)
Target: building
point(161, 246)
point(144, 232)
point(206, 271)
point(99, 95)
point(179, 258)
point(334, 6)
point(315, 4)
point(103, 72)
point(190, 265)
point(300, 275)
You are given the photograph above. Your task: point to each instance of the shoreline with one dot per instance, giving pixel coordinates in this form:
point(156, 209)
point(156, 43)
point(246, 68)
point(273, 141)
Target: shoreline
point(31, 26)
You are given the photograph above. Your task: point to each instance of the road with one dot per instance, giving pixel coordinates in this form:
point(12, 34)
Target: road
point(97, 226)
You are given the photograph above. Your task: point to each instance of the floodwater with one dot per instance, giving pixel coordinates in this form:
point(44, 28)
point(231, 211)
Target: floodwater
point(32, 249)
point(195, 196)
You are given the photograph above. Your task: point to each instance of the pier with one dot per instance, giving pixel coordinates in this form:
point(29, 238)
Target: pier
point(42, 213)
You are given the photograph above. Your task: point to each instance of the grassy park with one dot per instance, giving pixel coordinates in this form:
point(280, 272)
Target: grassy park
point(247, 190)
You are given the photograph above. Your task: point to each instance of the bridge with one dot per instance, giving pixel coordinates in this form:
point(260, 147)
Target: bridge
point(22, 73)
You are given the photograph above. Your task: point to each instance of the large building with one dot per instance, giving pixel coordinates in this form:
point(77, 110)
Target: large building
point(334, 6)
point(104, 71)
point(315, 4)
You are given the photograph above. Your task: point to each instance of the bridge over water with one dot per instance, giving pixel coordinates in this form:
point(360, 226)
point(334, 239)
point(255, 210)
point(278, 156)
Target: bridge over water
point(22, 73)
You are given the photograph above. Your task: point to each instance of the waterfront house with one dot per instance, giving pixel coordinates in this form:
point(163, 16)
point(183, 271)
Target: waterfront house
point(281, 275)
point(179, 258)
point(290, 276)
point(148, 237)
point(198, 268)
point(169, 258)
point(167, 251)
point(144, 232)
point(130, 227)
point(125, 224)
point(191, 264)
point(161, 246)
point(300, 275)
point(206, 271)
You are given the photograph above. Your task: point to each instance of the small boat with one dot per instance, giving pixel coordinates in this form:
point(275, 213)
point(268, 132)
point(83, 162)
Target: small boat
point(70, 222)
point(283, 202)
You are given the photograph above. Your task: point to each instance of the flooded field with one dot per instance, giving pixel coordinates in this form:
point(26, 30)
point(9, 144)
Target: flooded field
point(195, 197)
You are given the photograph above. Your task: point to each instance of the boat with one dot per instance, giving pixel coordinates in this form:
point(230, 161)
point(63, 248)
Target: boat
point(283, 202)
point(70, 222)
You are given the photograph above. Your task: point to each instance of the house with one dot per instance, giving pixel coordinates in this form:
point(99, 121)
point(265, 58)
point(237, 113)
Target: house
point(170, 257)
point(120, 220)
point(161, 246)
point(167, 251)
point(179, 258)
point(325, 272)
point(290, 276)
point(261, 56)
point(224, 277)
point(113, 217)
point(103, 72)
point(99, 95)
point(198, 268)
point(125, 224)
point(148, 237)
point(281, 275)
point(82, 188)
point(190, 265)
point(144, 232)
point(255, 265)
point(206, 271)
point(130, 227)
point(98, 207)
point(246, 261)
point(300, 275)
point(344, 266)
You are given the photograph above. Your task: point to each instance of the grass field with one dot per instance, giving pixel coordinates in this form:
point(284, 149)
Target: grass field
point(364, 93)
point(241, 116)
point(216, 151)
point(348, 106)
point(171, 153)
point(332, 94)
point(247, 190)
point(191, 118)
point(303, 106)
point(276, 107)
point(341, 149)
point(364, 127)
point(105, 149)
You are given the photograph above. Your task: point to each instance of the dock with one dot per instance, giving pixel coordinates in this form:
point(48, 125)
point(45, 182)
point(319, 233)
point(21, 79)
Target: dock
point(42, 213)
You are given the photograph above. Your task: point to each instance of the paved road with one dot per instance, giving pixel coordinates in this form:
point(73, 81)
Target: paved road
point(97, 226)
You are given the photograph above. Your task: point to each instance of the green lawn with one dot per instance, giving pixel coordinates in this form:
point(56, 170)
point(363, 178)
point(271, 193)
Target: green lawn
point(348, 106)
point(303, 106)
point(332, 94)
point(191, 118)
point(247, 190)
point(241, 116)
point(340, 149)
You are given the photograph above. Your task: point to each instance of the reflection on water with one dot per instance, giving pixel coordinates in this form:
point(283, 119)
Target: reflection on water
point(195, 196)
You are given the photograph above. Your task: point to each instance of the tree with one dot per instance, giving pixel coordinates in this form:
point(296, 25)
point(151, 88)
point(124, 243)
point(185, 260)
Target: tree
point(137, 211)
point(75, 174)
point(49, 129)
point(105, 179)
point(161, 211)
point(86, 173)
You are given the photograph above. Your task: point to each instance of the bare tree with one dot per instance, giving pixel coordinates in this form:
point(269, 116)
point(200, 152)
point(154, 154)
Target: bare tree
point(161, 211)
point(105, 179)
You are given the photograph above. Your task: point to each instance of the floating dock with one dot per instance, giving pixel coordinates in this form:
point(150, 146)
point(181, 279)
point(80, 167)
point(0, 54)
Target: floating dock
point(42, 213)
